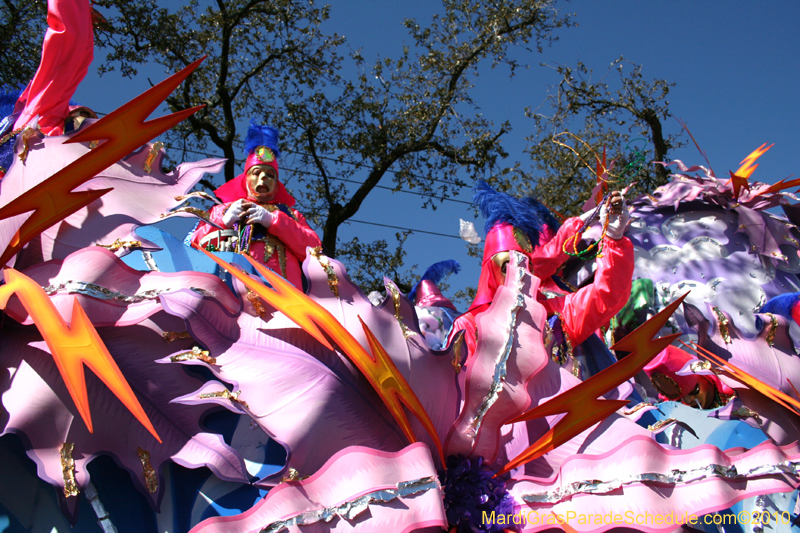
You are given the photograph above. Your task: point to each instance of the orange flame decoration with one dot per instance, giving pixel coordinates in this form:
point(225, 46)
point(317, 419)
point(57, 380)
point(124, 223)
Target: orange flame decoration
point(754, 383)
point(124, 130)
point(601, 173)
point(380, 371)
point(72, 347)
point(582, 403)
point(740, 177)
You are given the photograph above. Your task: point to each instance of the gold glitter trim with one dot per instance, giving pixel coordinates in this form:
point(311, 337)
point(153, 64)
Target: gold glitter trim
point(672, 397)
point(697, 366)
point(151, 157)
point(291, 475)
point(68, 469)
point(7, 137)
point(523, 240)
point(191, 210)
point(723, 325)
point(773, 329)
point(661, 423)
point(228, 395)
point(172, 336)
point(150, 478)
point(196, 354)
point(197, 194)
point(258, 304)
point(27, 133)
point(457, 353)
point(392, 288)
point(119, 243)
point(790, 239)
point(636, 408)
point(746, 412)
point(325, 263)
point(281, 249)
point(271, 246)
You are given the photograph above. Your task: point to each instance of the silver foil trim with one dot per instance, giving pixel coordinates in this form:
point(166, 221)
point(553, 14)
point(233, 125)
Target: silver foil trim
point(673, 477)
point(150, 261)
point(101, 293)
point(500, 368)
point(351, 509)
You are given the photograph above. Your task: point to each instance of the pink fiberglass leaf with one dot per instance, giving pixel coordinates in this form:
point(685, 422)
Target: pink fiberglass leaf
point(357, 490)
point(138, 197)
point(505, 360)
point(40, 409)
point(768, 356)
point(112, 293)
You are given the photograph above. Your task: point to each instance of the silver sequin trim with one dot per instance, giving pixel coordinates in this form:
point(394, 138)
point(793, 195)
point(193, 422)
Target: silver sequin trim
point(101, 293)
point(349, 510)
point(149, 260)
point(673, 477)
point(500, 368)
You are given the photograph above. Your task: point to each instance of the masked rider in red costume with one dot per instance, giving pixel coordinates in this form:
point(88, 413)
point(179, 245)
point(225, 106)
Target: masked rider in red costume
point(257, 213)
point(514, 224)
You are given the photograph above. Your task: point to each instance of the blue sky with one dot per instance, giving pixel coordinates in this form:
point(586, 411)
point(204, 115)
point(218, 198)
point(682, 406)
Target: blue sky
point(734, 63)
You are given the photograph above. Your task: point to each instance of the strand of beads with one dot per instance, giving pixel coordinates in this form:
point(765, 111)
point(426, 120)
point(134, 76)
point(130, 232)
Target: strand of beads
point(586, 254)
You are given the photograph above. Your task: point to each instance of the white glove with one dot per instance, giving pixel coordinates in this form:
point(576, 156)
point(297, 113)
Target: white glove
point(233, 213)
point(617, 224)
point(256, 213)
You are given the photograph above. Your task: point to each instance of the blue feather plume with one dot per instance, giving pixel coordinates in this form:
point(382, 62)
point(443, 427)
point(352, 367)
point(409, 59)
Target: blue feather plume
point(782, 304)
point(7, 101)
point(527, 214)
point(261, 136)
point(436, 273)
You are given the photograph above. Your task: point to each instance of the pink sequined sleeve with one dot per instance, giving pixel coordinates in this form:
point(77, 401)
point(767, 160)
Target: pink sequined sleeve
point(593, 306)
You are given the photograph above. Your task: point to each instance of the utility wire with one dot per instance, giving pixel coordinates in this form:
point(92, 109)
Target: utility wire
point(378, 186)
point(298, 171)
point(392, 171)
point(407, 229)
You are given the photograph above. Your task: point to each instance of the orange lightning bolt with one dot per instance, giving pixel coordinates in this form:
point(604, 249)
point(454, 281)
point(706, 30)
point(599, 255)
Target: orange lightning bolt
point(379, 370)
point(739, 178)
point(582, 403)
point(124, 130)
point(73, 346)
point(600, 171)
point(754, 383)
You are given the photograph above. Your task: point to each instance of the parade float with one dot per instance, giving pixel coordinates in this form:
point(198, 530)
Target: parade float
point(147, 385)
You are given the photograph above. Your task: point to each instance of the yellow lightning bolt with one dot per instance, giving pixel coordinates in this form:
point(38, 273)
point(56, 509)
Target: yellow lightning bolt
point(740, 177)
point(73, 346)
point(379, 370)
point(582, 403)
point(123, 130)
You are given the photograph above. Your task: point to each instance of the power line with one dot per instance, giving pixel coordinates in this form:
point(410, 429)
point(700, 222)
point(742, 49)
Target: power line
point(401, 228)
point(298, 171)
point(388, 170)
point(379, 186)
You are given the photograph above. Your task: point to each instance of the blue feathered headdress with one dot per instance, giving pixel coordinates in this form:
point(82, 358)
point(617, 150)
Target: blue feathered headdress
point(261, 136)
point(782, 304)
point(8, 100)
point(527, 214)
point(436, 273)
